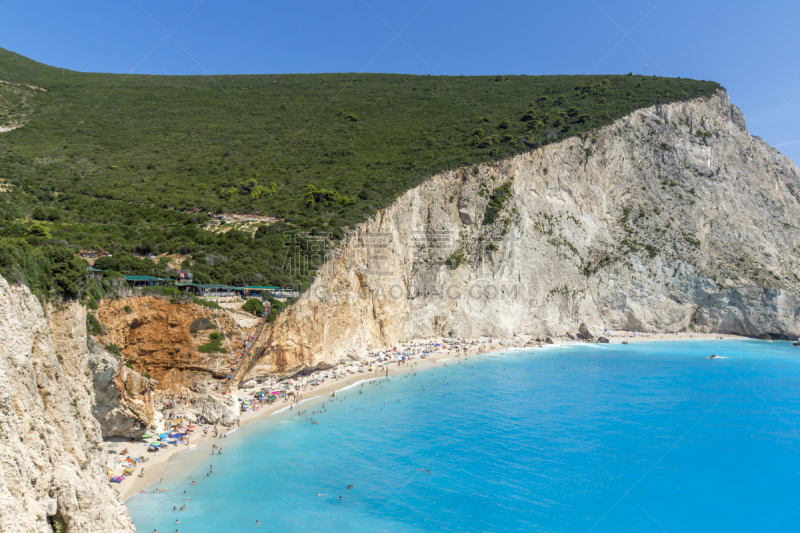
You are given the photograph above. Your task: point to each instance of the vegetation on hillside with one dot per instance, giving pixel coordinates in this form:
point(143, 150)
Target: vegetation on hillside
point(46, 268)
point(253, 305)
point(214, 344)
point(130, 163)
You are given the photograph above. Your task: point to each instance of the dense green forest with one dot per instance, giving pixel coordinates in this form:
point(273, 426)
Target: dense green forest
point(135, 163)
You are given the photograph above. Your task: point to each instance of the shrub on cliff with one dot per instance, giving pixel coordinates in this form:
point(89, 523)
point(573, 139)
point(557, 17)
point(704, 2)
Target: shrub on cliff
point(113, 348)
point(200, 324)
point(496, 201)
point(254, 305)
point(214, 344)
point(276, 307)
point(93, 326)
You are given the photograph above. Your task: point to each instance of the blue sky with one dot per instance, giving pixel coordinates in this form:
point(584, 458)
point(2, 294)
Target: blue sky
point(751, 48)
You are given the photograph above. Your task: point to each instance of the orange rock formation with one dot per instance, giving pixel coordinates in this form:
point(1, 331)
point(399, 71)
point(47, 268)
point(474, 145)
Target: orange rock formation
point(153, 336)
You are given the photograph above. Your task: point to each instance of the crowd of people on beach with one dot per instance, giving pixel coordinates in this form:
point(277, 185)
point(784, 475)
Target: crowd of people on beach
point(293, 390)
point(378, 363)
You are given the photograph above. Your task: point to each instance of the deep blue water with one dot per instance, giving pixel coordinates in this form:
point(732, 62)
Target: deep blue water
point(605, 438)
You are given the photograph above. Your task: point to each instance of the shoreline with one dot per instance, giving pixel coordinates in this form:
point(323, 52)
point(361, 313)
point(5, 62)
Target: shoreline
point(154, 468)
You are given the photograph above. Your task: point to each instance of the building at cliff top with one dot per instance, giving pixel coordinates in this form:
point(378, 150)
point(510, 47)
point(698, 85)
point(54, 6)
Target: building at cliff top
point(147, 281)
point(210, 290)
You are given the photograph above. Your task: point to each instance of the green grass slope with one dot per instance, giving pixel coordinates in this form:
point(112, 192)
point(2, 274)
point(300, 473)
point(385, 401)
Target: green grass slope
point(133, 163)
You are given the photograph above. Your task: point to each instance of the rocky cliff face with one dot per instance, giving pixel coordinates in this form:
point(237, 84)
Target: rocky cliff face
point(673, 218)
point(52, 467)
point(124, 399)
point(153, 335)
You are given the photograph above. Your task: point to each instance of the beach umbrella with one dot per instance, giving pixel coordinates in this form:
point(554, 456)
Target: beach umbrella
point(163, 435)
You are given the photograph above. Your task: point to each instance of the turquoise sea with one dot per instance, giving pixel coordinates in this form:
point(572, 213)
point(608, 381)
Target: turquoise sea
point(605, 438)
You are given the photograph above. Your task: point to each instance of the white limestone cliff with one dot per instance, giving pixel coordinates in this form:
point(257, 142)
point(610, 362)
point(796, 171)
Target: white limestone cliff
point(673, 218)
point(52, 464)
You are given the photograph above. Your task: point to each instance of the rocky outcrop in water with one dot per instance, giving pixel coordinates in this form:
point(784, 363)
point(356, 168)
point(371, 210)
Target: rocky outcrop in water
point(673, 218)
point(586, 335)
point(52, 464)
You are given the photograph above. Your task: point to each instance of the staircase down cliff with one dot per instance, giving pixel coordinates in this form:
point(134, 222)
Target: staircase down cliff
point(52, 464)
point(673, 218)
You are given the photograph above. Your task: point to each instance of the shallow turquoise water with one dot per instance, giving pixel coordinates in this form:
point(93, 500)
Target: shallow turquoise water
point(606, 438)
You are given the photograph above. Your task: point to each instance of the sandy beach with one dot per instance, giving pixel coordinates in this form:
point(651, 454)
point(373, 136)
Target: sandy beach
point(154, 467)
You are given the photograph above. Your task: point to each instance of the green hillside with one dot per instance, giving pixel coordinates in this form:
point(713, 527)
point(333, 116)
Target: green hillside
point(133, 163)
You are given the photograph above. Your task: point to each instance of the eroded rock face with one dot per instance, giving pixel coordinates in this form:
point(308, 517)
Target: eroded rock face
point(214, 408)
point(153, 336)
point(671, 219)
point(51, 461)
point(123, 397)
